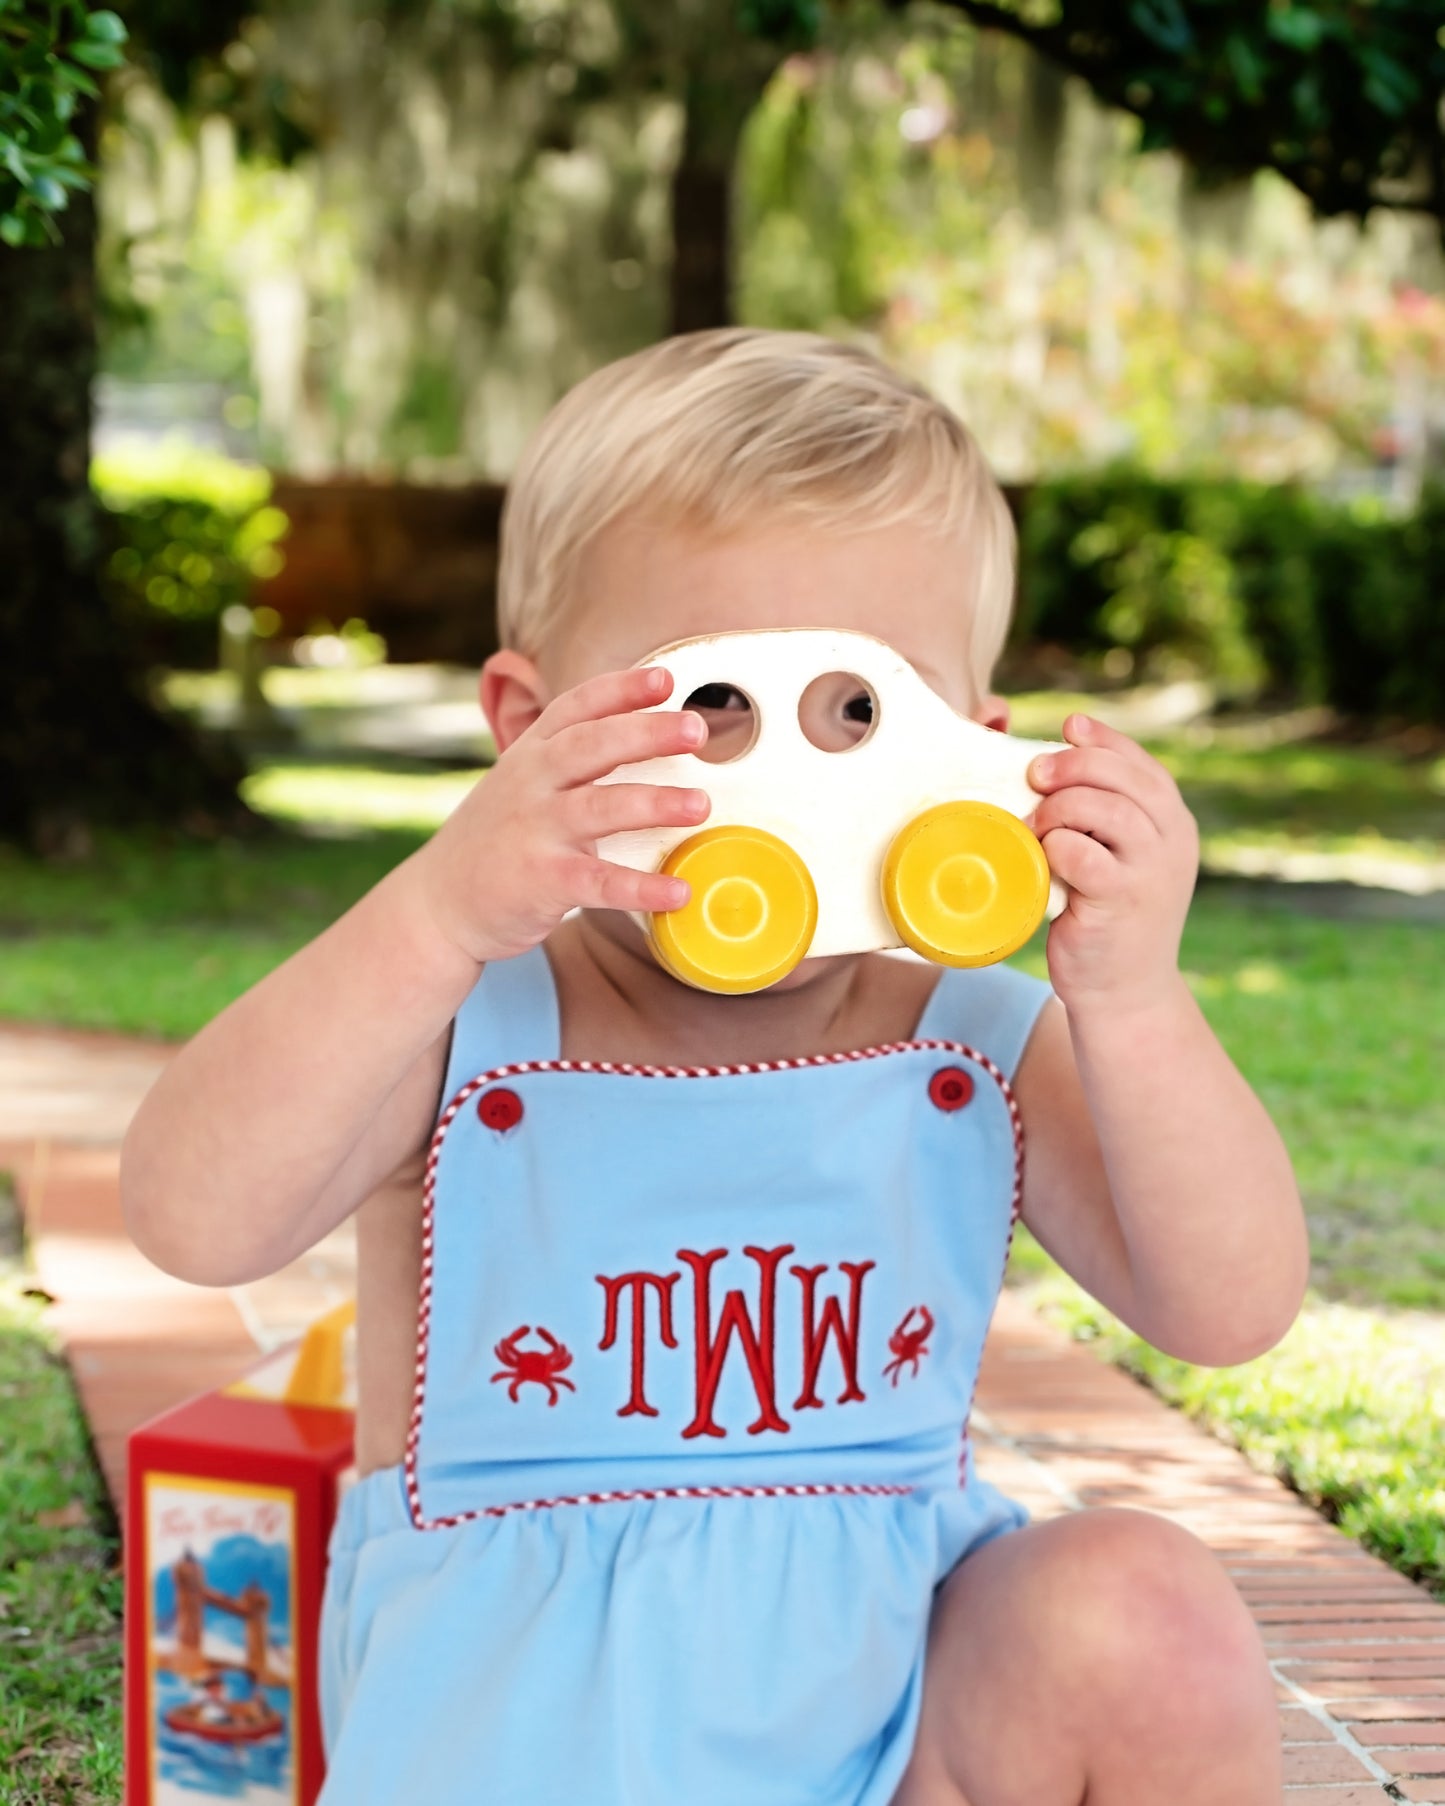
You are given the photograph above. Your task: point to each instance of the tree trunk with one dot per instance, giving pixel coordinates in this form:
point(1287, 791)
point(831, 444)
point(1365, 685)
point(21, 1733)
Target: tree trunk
point(80, 743)
point(723, 84)
point(701, 293)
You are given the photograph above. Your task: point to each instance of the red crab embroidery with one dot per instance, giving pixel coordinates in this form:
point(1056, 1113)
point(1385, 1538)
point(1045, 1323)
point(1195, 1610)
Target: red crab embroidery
point(544, 1365)
point(908, 1344)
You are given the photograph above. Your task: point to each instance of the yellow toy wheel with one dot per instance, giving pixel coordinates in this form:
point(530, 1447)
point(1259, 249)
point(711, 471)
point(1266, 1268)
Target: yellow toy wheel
point(965, 883)
point(750, 917)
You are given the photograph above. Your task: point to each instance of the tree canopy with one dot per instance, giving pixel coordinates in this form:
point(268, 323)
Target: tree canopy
point(1343, 99)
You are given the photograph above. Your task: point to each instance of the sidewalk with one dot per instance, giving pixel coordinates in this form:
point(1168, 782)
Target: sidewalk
point(1357, 1650)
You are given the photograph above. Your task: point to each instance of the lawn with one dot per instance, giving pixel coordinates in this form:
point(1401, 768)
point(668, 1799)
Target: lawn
point(60, 1583)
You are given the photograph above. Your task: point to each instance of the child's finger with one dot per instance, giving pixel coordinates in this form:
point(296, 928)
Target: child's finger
point(588, 750)
point(1104, 769)
point(602, 885)
point(1088, 730)
point(1082, 863)
point(609, 693)
point(593, 811)
point(1119, 821)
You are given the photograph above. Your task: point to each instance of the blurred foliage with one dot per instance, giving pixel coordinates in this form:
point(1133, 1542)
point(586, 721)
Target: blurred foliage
point(998, 236)
point(188, 531)
point(46, 48)
point(1342, 99)
point(1255, 584)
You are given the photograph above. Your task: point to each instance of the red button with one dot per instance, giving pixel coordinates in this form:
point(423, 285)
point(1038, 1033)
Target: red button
point(950, 1088)
point(500, 1108)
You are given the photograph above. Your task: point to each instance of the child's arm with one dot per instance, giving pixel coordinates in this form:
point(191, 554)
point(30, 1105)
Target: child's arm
point(291, 1107)
point(1153, 1173)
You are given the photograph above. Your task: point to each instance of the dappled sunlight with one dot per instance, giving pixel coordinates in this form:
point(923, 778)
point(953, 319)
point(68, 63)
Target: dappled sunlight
point(356, 796)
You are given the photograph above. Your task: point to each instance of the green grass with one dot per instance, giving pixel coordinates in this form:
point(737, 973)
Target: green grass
point(155, 934)
point(60, 1585)
point(1345, 1409)
point(1340, 1029)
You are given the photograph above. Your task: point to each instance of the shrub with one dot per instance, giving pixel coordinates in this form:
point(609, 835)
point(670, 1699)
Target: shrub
point(187, 531)
point(1262, 588)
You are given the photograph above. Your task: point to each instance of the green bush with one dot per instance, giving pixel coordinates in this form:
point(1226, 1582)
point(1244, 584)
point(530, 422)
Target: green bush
point(1264, 588)
point(188, 531)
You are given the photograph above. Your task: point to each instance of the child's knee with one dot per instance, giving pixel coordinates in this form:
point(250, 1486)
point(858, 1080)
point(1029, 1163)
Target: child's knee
point(1161, 1624)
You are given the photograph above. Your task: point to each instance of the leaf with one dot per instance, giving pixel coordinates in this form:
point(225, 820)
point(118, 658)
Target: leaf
point(1295, 26)
point(1163, 22)
point(106, 28)
point(1245, 66)
point(97, 56)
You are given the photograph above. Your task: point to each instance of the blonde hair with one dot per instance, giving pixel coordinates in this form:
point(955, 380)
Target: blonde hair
point(721, 428)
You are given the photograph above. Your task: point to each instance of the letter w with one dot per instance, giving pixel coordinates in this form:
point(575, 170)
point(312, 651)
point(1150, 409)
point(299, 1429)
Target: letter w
point(815, 1332)
point(757, 1344)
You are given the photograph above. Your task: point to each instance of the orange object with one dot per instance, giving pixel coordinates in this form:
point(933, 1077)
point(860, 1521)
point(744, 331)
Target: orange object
point(230, 1501)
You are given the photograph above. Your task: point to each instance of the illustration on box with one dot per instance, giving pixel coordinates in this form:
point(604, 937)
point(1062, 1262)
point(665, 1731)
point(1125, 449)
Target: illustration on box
point(916, 835)
point(221, 1667)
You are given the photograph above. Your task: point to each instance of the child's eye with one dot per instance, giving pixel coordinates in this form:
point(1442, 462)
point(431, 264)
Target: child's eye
point(860, 708)
point(717, 696)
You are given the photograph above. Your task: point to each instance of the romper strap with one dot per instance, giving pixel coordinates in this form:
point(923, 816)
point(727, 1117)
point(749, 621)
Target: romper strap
point(993, 1008)
point(509, 1014)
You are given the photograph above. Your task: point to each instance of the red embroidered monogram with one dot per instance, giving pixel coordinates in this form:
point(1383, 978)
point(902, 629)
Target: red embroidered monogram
point(815, 1333)
point(825, 1316)
point(540, 1365)
point(637, 1403)
point(908, 1344)
point(757, 1344)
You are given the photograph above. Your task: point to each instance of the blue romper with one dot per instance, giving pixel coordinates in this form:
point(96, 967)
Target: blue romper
point(689, 1443)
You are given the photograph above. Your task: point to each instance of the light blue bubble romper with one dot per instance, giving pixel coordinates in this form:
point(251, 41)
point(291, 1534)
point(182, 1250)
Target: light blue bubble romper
point(689, 1445)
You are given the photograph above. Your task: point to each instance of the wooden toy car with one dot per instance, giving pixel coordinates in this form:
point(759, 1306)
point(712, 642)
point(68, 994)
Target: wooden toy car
point(914, 836)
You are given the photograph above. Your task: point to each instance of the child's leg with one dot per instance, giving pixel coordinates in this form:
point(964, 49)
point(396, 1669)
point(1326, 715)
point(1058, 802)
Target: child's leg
point(1100, 1659)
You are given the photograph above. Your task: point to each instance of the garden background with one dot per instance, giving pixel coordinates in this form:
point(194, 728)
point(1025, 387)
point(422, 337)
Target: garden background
point(283, 290)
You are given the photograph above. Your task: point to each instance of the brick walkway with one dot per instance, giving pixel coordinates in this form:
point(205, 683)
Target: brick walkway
point(1358, 1651)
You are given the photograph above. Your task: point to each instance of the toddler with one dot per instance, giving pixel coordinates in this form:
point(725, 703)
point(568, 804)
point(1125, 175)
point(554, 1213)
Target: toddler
point(670, 1304)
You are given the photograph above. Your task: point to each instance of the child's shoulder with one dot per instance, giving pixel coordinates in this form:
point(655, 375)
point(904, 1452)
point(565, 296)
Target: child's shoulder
point(510, 1014)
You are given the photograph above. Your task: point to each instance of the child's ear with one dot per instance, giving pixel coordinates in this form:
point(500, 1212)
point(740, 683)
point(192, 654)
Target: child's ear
point(993, 712)
point(512, 694)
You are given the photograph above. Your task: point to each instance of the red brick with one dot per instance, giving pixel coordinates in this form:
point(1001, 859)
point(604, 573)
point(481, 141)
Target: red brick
point(1376, 1668)
point(1298, 1726)
point(1384, 1710)
point(1429, 1732)
point(1371, 1795)
point(1425, 1761)
point(1326, 1762)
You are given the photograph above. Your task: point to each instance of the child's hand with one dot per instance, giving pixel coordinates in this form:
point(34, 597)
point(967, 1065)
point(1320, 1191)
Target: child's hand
point(520, 850)
point(1115, 829)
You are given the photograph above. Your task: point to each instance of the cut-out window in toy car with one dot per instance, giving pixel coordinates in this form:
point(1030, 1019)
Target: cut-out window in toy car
point(915, 838)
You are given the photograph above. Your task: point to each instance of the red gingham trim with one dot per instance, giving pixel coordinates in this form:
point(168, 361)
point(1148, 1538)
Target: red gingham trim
point(658, 1492)
point(413, 1490)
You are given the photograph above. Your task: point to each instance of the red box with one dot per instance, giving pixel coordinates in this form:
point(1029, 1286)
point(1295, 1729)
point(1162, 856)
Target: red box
point(230, 1501)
